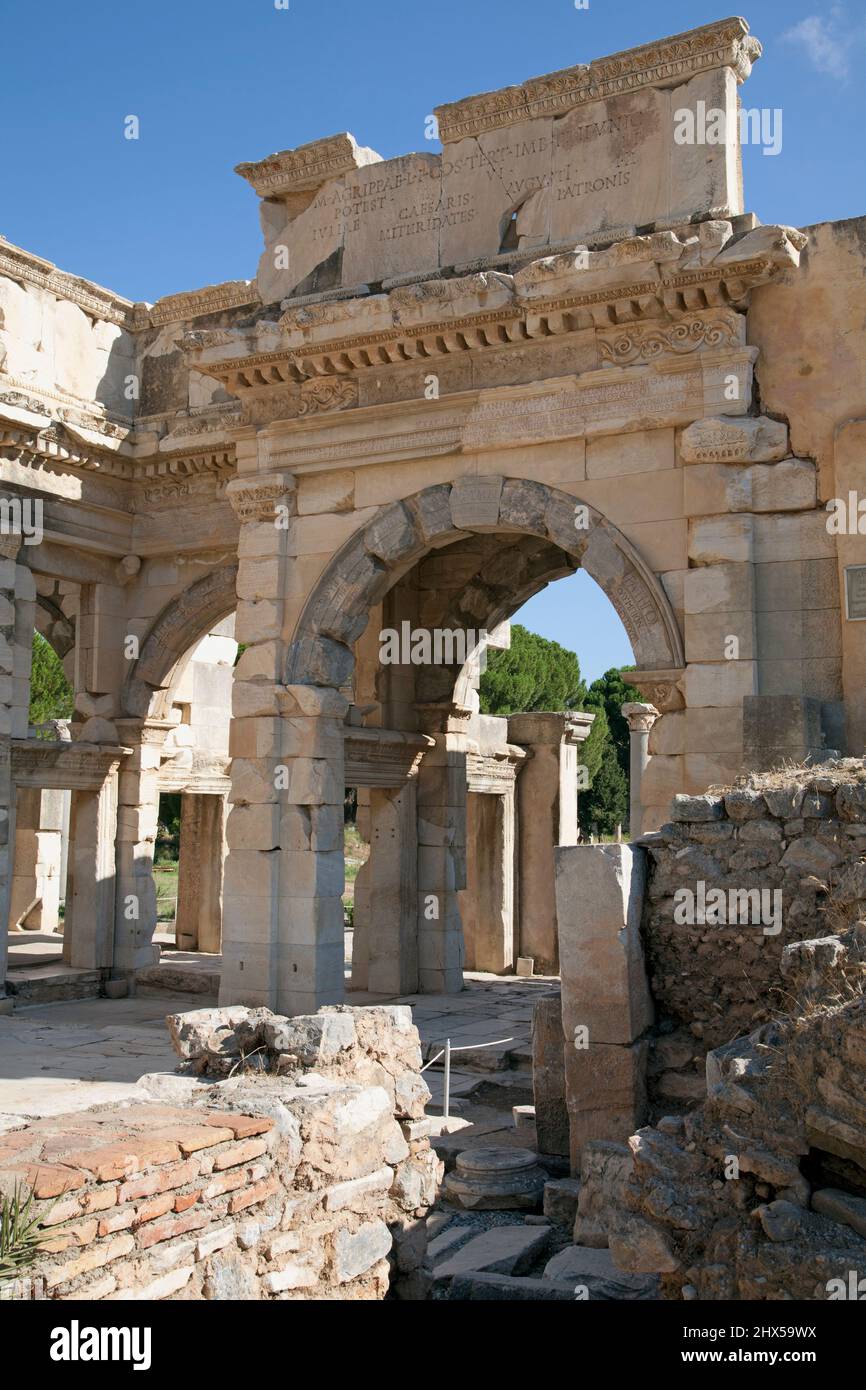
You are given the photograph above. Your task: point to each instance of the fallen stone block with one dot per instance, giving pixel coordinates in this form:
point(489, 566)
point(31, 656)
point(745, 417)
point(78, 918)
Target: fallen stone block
point(498, 1288)
point(502, 1250)
point(585, 1268)
point(560, 1202)
point(841, 1207)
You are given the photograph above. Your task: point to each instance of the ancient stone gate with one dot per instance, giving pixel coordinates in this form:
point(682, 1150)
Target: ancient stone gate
point(561, 342)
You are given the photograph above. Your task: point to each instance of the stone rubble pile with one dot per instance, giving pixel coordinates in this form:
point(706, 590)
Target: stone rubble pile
point(169, 1198)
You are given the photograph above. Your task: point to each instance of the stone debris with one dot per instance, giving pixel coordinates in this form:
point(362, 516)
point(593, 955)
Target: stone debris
point(498, 1288)
point(292, 1180)
point(502, 1250)
point(594, 1271)
point(560, 1202)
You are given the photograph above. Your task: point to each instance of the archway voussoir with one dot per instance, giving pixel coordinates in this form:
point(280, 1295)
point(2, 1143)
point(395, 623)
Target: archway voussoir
point(475, 503)
point(562, 522)
point(523, 506)
point(315, 660)
point(394, 536)
point(432, 508)
point(603, 560)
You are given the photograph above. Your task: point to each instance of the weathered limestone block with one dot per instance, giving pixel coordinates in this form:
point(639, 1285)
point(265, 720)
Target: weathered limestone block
point(718, 540)
point(548, 1077)
point(606, 1091)
point(605, 1165)
point(599, 898)
point(734, 439)
point(781, 245)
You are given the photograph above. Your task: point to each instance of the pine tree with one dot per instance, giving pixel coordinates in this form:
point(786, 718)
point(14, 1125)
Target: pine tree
point(50, 692)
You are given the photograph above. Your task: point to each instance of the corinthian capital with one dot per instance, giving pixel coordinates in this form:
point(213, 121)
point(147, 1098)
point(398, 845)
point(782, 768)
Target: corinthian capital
point(640, 718)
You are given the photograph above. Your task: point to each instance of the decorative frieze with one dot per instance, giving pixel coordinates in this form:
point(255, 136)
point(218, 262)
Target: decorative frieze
point(213, 299)
point(724, 44)
point(307, 167)
point(646, 342)
point(327, 393)
point(259, 499)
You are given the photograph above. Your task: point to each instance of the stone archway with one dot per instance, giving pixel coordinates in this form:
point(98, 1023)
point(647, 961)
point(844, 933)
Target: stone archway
point(173, 633)
point(283, 939)
point(363, 570)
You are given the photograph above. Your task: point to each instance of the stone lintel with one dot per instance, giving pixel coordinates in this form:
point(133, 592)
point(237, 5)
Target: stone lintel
point(549, 727)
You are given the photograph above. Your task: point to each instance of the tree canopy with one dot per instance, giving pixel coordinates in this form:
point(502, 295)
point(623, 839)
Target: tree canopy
point(50, 692)
point(537, 674)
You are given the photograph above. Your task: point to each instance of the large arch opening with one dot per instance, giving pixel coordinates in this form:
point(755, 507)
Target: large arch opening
point(455, 562)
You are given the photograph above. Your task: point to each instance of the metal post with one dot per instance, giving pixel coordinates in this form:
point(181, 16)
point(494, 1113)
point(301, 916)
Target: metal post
point(447, 1096)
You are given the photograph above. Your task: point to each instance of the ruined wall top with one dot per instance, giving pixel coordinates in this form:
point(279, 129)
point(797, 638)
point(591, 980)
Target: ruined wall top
point(585, 153)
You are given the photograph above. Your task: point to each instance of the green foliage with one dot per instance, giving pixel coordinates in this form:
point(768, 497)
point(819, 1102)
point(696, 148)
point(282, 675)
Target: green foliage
point(609, 693)
point(534, 675)
point(50, 691)
point(605, 805)
point(540, 675)
point(167, 846)
point(20, 1236)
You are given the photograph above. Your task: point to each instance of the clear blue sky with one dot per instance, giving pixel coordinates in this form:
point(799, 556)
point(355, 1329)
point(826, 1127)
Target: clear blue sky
point(215, 82)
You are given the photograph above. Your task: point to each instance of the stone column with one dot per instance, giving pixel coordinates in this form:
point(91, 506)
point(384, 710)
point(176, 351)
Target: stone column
point(36, 874)
point(441, 857)
point(392, 885)
point(138, 813)
point(547, 816)
point(17, 619)
point(24, 898)
point(606, 1001)
point(200, 873)
point(88, 937)
point(640, 719)
point(490, 894)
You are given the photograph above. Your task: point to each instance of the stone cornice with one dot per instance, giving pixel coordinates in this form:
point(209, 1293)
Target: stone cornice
point(19, 264)
point(307, 167)
point(60, 765)
point(647, 297)
point(213, 299)
point(383, 757)
point(56, 445)
point(726, 43)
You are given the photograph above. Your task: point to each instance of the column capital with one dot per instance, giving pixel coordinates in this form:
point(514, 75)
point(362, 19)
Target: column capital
point(639, 717)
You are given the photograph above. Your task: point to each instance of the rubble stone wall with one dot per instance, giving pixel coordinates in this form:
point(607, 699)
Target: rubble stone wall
point(288, 1160)
point(751, 1184)
point(799, 835)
